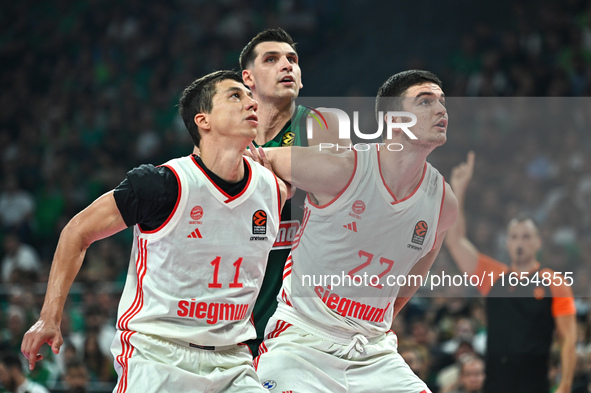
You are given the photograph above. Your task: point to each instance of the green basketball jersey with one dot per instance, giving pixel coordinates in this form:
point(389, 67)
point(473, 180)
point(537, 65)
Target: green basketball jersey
point(292, 134)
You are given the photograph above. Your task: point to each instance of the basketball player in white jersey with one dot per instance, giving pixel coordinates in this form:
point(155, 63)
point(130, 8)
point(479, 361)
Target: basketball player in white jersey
point(370, 215)
point(203, 227)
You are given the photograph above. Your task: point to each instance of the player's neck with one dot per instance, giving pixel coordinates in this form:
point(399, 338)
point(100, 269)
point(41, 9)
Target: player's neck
point(272, 118)
point(402, 171)
point(527, 266)
point(225, 163)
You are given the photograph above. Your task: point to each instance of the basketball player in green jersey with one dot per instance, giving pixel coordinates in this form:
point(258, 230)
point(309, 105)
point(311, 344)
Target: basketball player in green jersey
point(270, 68)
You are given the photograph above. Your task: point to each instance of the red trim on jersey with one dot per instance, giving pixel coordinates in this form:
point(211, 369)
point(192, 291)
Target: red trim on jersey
point(178, 199)
point(230, 198)
point(284, 298)
point(262, 349)
point(123, 360)
point(340, 193)
point(138, 302)
point(440, 211)
point(278, 196)
point(247, 347)
point(280, 327)
point(287, 268)
point(390, 191)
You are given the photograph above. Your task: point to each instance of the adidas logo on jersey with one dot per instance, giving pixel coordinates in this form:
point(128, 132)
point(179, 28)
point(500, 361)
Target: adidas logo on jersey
point(195, 234)
point(352, 226)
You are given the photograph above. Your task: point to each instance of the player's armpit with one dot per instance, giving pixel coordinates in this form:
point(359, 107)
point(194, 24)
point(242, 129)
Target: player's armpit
point(449, 210)
point(421, 268)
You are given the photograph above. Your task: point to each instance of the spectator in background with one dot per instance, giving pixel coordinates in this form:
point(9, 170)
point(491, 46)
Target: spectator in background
point(76, 378)
point(471, 379)
point(448, 377)
point(21, 262)
point(16, 326)
point(464, 331)
point(16, 208)
point(417, 359)
point(12, 377)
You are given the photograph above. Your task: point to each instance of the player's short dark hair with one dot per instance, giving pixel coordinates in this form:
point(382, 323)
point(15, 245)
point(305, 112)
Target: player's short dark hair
point(398, 84)
point(12, 361)
point(522, 217)
point(198, 98)
point(248, 54)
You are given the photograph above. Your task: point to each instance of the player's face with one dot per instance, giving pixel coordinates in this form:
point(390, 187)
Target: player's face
point(234, 110)
point(275, 72)
point(427, 102)
point(523, 241)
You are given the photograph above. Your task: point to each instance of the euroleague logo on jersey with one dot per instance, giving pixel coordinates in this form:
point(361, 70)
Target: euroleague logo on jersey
point(259, 222)
point(418, 236)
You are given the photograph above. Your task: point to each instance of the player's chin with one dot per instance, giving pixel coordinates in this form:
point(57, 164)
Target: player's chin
point(442, 139)
point(438, 140)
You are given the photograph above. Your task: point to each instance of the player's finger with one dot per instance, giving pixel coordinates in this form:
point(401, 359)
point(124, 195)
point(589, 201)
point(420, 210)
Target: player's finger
point(470, 159)
point(55, 343)
point(32, 355)
point(263, 156)
point(253, 152)
point(33, 360)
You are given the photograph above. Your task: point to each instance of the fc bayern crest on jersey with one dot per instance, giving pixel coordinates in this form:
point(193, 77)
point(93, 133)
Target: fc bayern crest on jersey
point(358, 206)
point(196, 214)
point(418, 235)
point(259, 222)
point(269, 384)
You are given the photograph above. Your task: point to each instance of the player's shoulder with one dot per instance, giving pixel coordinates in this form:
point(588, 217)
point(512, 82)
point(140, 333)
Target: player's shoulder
point(150, 181)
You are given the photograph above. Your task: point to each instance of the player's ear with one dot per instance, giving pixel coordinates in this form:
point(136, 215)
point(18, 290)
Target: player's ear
point(202, 121)
point(247, 78)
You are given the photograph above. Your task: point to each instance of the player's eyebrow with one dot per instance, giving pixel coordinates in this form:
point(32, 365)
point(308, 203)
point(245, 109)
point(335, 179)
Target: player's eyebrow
point(277, 53)
point(428, 93)
point(239, 90)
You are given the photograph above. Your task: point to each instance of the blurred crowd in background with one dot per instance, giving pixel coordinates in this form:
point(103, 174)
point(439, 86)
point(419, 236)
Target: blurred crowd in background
point(90, 91)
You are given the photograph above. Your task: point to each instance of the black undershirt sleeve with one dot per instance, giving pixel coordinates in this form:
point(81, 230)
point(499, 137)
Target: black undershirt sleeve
point(147, 196)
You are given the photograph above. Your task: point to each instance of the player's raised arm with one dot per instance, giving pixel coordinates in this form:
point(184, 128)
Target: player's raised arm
point(463, 252)
point(99, 220)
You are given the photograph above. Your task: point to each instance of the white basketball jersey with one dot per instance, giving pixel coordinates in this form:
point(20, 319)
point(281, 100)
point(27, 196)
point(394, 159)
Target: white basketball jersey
point(195, 279)
point(351, 255)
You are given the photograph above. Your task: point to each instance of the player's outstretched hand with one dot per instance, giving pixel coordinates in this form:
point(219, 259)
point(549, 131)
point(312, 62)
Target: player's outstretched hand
point(41, 332)
point(461, 175)
point(258, 154)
